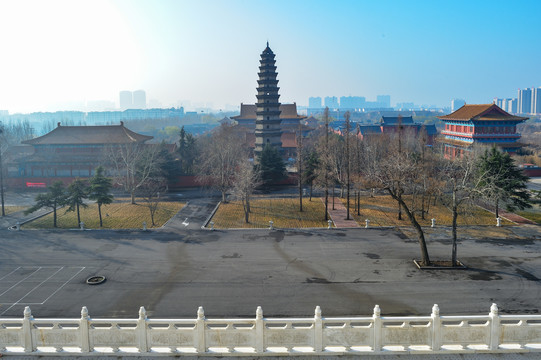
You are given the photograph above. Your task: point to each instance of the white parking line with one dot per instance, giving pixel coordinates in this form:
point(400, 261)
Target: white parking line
point(61, 286)
point(18, 302)
point(2, 278)
point(21, 281)
point(34, 288)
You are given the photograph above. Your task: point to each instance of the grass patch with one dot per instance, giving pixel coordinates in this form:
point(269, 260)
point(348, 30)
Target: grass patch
point(10, 209)
point(382, 210)
point(115, 216)
point(533, 214)
point(283, 212)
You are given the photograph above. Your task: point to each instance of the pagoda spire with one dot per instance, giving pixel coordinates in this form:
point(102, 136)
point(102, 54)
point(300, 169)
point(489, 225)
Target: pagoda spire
point(268, 130)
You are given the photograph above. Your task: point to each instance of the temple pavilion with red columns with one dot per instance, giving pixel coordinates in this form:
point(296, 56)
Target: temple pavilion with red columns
point(485, 124)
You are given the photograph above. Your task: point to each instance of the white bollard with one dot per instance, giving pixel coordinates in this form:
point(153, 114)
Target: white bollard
point(366, 223)
point(18, 226)
point(212, 225)
point(144, 226)
point(82, 225)
point(433, 223)
point(271, 225)
point(498, 221)
point(329, 222)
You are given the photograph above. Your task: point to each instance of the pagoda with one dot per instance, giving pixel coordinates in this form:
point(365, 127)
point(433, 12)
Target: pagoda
point(268, 129)
point(485, 124)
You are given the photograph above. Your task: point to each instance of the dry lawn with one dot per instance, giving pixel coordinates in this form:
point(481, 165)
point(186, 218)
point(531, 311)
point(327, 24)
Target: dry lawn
point(283, 212)
point(10, 209)
point(533, 213)
point(115, 216)
point(382, 210)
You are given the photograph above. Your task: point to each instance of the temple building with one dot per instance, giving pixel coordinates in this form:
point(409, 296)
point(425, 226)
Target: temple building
point(268, 121)
point(485, 124)
point(69, 152)
point(267, 124)
point(405, 124)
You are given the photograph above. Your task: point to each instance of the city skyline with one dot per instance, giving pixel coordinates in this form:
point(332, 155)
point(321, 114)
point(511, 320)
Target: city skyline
point(64, 52)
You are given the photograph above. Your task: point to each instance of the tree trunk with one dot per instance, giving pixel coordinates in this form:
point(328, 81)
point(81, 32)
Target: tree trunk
point(497, 208)
point(300, 194)
point(425, 259)
point(54, 215)
point(311, 186)
point(132, 194)
point(99, 212)
point(399, 211)
point(246, 212)
point(455, 215)
point(326, 202)
point(358, 203)
point(333, 190)
point(423, 206)
point(78, 216)
point(224, 197)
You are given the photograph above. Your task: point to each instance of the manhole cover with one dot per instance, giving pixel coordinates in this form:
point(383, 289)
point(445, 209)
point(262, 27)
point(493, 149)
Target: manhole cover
point(95, 280)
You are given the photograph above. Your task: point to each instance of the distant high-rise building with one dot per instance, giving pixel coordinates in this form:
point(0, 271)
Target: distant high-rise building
point(139, 99)
point(384, 101)
point(314, 102)
point(331, 102)
point(512, 106)
point(525, 101)
point(126, 100)
point(536, 101)
point(352, 102)
point(457, 104)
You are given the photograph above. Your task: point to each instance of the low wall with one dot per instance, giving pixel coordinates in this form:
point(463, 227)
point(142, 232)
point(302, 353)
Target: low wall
point(318, 335)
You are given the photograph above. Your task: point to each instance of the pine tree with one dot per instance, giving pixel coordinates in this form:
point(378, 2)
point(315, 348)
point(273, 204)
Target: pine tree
point(99, 190)
point(76, 194)
point(503, 181)
point(53, 198)
point(271, 167)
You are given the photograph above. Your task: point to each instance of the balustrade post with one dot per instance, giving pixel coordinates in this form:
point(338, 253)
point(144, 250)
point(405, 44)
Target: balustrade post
point(27, 330)
point(318, 330)
point(83, 327)
point(494, 328)
point(200, 329)
point(259, 331)
point(376, 318)
point(142, 330)
point(436, 328)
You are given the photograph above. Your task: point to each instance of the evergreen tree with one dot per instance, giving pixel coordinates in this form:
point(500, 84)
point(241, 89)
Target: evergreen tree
point(503, 181)
point(76, 194)
point(53, 198)
point(187, 151)
point(310, 170)
point(99, 190)
point(271, 167)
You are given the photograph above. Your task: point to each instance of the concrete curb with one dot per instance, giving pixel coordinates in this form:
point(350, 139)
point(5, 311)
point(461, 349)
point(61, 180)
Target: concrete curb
point(204, 226)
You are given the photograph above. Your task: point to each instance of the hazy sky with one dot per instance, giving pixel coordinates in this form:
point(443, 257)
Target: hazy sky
point(57, 52)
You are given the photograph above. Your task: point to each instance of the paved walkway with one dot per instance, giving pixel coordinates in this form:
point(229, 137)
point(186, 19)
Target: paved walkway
point(339, 214)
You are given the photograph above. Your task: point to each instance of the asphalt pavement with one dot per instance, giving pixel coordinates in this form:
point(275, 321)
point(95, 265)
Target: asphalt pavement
point(173, 270)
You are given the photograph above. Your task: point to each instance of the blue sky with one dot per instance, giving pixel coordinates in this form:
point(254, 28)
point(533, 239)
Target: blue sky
point(57, 52)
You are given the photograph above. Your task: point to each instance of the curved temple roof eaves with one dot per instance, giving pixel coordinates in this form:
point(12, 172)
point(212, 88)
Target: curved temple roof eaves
point(482, 112)
point(107, 134)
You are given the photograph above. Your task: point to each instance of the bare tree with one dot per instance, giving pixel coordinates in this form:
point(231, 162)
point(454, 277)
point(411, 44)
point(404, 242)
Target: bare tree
point(219, 158)
point(150, 191)
point(394, 168)
point(348, 161)
point(133, 165)
point(460, 183)
point(246, 180)
point(300, 169)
